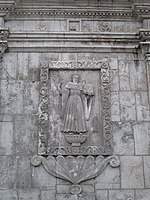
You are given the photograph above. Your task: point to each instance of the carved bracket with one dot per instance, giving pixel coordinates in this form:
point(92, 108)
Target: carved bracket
point(75, 169)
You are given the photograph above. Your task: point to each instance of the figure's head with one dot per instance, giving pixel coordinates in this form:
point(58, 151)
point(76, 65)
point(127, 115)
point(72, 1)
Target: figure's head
point(75, 78)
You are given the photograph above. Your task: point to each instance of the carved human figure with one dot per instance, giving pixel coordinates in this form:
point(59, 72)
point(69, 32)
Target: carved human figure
point(78, 106)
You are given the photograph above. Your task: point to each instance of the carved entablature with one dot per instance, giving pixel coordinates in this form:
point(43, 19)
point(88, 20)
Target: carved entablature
point(74, 109)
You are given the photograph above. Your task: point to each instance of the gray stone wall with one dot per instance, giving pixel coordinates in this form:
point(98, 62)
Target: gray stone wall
point(19, 100)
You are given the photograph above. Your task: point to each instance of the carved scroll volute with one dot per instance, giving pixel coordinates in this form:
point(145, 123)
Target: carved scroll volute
point(106, 109)
point(43, 111)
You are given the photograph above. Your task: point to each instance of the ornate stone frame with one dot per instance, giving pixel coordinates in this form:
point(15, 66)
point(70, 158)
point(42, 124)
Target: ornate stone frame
point(103, 66)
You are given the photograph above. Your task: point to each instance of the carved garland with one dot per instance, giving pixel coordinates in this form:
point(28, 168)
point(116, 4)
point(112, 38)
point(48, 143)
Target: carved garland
point(106, 149)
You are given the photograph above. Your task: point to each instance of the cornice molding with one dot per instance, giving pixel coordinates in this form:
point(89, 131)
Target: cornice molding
point(75, 41)
point(70, 12)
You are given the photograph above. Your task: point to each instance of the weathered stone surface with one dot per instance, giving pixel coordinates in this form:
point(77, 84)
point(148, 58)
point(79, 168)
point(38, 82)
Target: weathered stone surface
point(66, 197)
point(110, 178)
point(132, 172)
point(147, 171)
point(12, 96)
point(8, 195)
point(121, 195)
point(123, 138)
point(25, 135)
point(9, 66)
point(127, 106)
point(48, 195)
point(142, 138)
point(124, 76)
point(29, 194)
point(22, 66)
point(101, 195)
point(23, 175)
point(142, 194)
point(6, 138)
point(115, 106)
point(41, 179)
point(31, 98)
point(138, 79)
point(7, 172)
point(142, 106)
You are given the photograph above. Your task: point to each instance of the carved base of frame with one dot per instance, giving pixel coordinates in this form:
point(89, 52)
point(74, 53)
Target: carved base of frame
point(75, 169)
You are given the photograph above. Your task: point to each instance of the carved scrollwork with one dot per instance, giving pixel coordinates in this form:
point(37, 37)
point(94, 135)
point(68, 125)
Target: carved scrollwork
point(75, 169)
point(43, 111)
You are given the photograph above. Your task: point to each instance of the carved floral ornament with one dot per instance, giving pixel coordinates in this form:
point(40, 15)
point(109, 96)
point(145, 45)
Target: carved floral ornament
point(74, 92)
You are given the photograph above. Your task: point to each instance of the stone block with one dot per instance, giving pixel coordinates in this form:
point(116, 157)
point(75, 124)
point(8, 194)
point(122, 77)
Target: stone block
point(86, 196)
point(23, 176)
point(6, 138)
point(8, 195)
point(6, 118)
point(48, 195)
point(29, 194)
point(31, 97)
point(132, 172)
point(63, 25)
point(12, 97)
point(123, 138)
point(115, 106)
point(142, 138)
point(66, 197)
point(9, 66)
point(101, 195)
point(17, 25)
point(26, 135)
point(82, 196)
point(147, 171)
point(108, 179)
point(7, 172)
point(142, 194)
point(124, 76)
point(114, 79)
point(87, 26)
point(63, 189)
point(22, 66)
point(142, 106)
point(42, 179)
point(55, 25)
point(127, 106)
point(121, 195)
point(29, 25)
point(34, 60)
point(138, 78)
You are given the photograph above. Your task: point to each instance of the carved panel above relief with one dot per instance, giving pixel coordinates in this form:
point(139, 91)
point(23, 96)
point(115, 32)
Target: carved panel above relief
point(74, 110)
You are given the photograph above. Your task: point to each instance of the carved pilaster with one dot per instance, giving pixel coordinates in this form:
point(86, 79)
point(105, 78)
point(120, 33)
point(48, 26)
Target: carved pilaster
point(4, 33)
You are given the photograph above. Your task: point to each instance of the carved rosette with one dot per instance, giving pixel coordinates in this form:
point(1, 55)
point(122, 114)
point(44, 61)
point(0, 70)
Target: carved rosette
point(43, 111)
point(75, 169)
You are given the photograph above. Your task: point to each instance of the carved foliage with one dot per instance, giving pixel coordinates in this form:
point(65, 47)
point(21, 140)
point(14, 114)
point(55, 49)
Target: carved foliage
point(75, 170)
point(43, 111)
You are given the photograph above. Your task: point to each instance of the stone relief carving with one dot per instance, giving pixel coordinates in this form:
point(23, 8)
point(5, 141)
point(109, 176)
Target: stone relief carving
point(105, 27)
point(75, 169)
point(74, 121)
point(64, 139)
point(77, 110)
point(4, 33)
